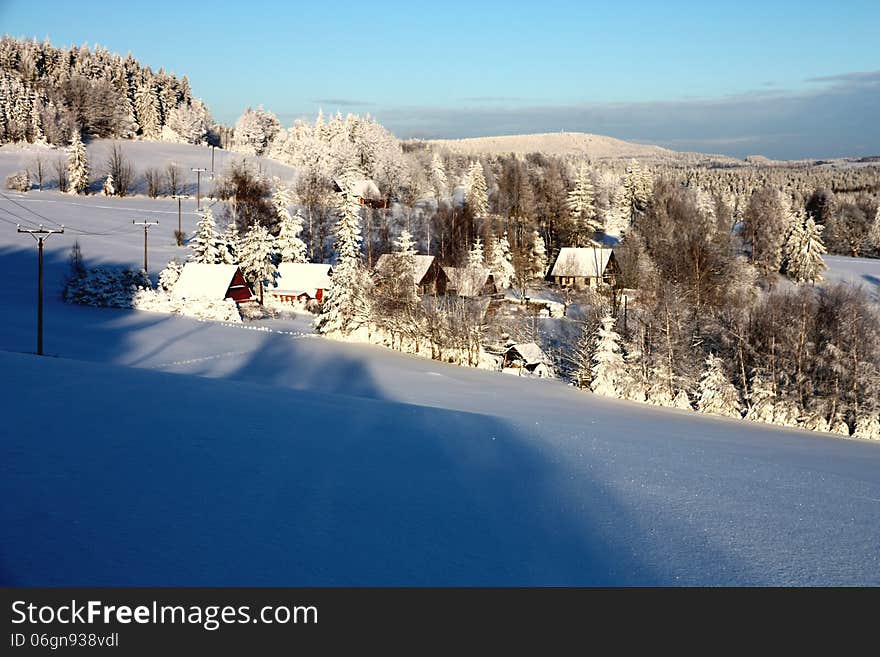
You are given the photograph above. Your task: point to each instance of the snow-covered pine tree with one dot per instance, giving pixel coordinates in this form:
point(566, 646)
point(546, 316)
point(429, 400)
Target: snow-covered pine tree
point(290, 247)
point(609, 369)
point(582, 357)
point(168, 276)
point(344, 307)
point(581, 203)
point(804, 259)
point(660, 391)
point(475, 191)
point(762, 400)
point(793, 245)
point(109, 188)
point(77, 166)
point(258, 258)
point(475, 255)
point(228, 244)
point(499, 262)
point(717, 394)
point(146, 104)
point(439, 181)
point(874, 233)
point(539, 256)
point(617, 220)
point(867, 427)
point(682, 400)
point(205, 240)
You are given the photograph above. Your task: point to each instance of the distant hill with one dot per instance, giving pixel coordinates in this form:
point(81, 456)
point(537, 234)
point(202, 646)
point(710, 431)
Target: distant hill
point(594, 147)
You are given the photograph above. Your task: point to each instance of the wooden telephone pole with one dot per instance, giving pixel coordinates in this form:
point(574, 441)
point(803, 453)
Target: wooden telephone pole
point(179, 198)
point(40, 234)
point(199, 171)
point(146, 224)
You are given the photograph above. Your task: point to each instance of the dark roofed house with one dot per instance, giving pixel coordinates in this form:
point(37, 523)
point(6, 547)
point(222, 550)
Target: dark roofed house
point(427, 273)
point(585, 267)
point(470, 281)
point(527, 359)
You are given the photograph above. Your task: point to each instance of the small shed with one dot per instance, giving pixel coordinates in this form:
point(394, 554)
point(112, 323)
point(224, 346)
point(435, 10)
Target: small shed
point(470, 281)
point(301, 281)
point(589, 266)
point(216, 282)
point(527, 359)
point(429, 276)
point(366, 191)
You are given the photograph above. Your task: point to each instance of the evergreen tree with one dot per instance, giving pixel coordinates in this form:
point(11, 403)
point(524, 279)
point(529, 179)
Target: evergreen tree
point(538, 256)
point(475, 191)
point(290, 247)
point(439, 180)
point(228, 244)
point(874, 234)
point(109, 188)
point(804, 253)
point(609, 370)
point(717, 394)
point(169, 276)
point(205, 240)
point(475, 256)
point(867, 427)
point(582, 357)
point(146, 103)
point(258, 258)
point(618, 219)
point(582, 207)
point(77, 166)
point(762, 400)
point(499, 261)
point(345, 306)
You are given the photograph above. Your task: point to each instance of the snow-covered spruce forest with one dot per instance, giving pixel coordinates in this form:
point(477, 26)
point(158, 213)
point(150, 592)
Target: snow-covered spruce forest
point(718, 302)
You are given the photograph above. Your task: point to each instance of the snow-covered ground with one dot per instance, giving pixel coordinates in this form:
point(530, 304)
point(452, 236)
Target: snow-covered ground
point(158, 449)
point(859, 271)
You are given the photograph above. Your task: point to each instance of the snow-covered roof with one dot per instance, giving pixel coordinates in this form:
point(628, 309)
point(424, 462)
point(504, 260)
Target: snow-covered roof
point(297, 277)
point(587, 261)
point(530, 352)
point(422, 263)
point(365, 188)
point(201, 281)
point(467, 281)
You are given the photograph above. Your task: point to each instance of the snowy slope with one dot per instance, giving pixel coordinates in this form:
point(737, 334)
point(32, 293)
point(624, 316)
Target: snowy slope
point(859, 271)
point(125, 476)
point(290, 459)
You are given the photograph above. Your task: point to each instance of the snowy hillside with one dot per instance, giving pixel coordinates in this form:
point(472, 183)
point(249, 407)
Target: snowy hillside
point(594, 147)
point(859, 271)
point(157, 449)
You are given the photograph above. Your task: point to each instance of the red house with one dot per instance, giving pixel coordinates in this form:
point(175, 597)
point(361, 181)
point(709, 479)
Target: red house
point(201, 281)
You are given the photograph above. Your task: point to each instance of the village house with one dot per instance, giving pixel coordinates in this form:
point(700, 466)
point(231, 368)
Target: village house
point(429, 277)
point(526, 359)
point(301, 281)
point(213, 282)
point(470, 281)
point(584, 267)
point(366, 191)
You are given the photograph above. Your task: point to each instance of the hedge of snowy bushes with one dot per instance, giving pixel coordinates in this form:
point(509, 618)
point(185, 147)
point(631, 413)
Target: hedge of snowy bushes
point(108, 287)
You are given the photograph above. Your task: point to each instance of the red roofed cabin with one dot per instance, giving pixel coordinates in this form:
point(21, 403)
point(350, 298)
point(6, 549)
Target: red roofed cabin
point(217, 282)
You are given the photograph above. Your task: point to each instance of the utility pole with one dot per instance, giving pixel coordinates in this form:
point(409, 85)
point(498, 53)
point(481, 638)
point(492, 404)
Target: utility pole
point(40, 234)
point(146, 224)
point(213, 148)
point(199, 171)
point(179, 198)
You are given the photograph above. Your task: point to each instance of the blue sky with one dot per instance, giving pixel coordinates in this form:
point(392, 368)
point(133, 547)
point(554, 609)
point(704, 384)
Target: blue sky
point(785, 79)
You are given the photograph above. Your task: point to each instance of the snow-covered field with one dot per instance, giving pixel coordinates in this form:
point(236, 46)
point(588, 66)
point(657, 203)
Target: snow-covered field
point(157, 449)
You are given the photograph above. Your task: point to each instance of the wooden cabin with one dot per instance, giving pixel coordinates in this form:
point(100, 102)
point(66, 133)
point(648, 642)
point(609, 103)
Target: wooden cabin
point(215, 282)
point(429, 277)
point(590, 266)
point(301, 281)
